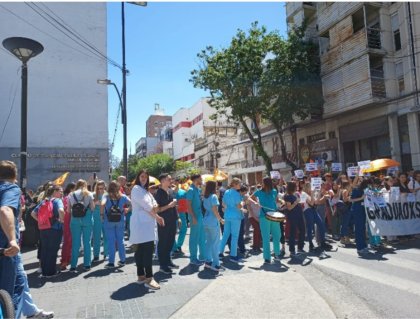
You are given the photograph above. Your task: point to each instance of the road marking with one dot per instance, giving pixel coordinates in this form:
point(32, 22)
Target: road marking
point(366, 273)
point(393, 259)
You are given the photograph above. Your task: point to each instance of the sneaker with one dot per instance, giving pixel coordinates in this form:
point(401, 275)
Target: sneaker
point(196, 262)
point(311, 246)
point(86, 268)
point(151, 284)
point(179, 251)
point(221, 255)
point(207, 265)
point(43, 314)
point(173, 266)
point(292, 253)
point(301, 251)
point(121, 263)
point(165, 270)
point(109, 266)
point(282, 253)
point(277, 258)
point(267, 261)
point(73, 269)
point(63, 268)
point(363, 251)
point(326, 246)
point(218, 268)
point(235, 259)
point(95, 259)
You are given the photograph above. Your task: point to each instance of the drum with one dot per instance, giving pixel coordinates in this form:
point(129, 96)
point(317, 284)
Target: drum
point(275, 216)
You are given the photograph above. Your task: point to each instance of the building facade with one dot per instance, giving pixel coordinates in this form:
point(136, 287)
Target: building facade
point(370, 79)
point(67, 109)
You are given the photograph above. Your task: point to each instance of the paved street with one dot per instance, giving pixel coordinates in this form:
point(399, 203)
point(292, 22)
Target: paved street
point(344, 286)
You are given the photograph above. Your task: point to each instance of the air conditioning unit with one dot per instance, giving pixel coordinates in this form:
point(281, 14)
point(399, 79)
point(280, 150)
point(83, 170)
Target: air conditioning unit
point(187, 139)
point(328, 156)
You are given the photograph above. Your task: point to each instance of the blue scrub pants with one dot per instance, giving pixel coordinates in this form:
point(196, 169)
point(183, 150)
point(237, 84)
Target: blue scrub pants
point(197, 240)
point(359, 219)
point(268, 227)
point(97, 232)
point(312, 218)
point(231, 228)
point(114, 233)
point(182, 232)
point(212, 244)
point(81, 227)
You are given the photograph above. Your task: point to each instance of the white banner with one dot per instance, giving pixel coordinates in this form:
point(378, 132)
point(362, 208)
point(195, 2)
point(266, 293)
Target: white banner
point(275, 175)
point(316, 183)
point(391, 218)
point(311, 167)
point(299, 173)
point(352, 171)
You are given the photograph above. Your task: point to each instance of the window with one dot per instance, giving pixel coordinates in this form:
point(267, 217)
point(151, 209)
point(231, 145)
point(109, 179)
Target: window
point(302, 141)
point(331, 134)
point(399, 72)
point(358, 20)
point(395, 26)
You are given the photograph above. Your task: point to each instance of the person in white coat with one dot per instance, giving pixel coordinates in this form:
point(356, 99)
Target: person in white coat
point(143, 229)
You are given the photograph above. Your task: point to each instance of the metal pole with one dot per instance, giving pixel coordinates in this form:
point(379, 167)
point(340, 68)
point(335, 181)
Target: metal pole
point(24, 126)
point(124, 93)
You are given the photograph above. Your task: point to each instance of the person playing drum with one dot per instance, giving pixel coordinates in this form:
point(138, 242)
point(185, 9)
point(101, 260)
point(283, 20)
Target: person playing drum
point(267, 198)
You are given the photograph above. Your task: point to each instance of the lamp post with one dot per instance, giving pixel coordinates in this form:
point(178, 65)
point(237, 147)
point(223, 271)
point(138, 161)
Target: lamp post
point(24, 49)
point(123, 121)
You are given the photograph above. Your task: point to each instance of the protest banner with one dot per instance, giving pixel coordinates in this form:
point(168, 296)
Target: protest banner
point(316, 183)
point(275, 175)
point(299, 173)
point(311, 167)
point(391, 218)
point(362, 166)
point(336, 167)
point(352, 171)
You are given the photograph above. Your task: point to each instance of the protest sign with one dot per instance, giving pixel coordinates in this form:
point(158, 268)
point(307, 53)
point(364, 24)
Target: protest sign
point(303, 197)
point(352, 171)
point(387, 218)
point(316, 183)
point(310, 167)
point(363, 165)
point(299, 173)
point(394, 194)
point(275, 175)
point(392, 171)
point(336, 167)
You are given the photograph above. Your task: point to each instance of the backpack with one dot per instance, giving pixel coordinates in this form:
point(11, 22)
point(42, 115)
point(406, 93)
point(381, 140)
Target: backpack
point(46, 215)
point(78, 209)
point(114, 215)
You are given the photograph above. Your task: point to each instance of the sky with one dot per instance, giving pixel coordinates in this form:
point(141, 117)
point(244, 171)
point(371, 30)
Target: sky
point(162, 42)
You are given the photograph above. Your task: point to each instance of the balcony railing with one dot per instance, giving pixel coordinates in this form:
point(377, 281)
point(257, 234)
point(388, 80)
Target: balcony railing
point(251, 163)
point(374, 38)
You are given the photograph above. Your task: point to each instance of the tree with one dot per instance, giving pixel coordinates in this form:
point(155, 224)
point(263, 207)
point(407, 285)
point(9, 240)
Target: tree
point(185, 169)
point(292, 82)
point(232, 74)
point(156, 164)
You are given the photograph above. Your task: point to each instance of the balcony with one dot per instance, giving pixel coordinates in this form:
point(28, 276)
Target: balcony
point(374, 38)
point(251, 163)
point(378, 83)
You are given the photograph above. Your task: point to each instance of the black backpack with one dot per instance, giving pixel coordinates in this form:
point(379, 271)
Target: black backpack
point(78, 209)
point(114, 214)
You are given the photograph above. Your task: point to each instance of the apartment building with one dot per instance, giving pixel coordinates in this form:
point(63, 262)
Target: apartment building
point(370, 78)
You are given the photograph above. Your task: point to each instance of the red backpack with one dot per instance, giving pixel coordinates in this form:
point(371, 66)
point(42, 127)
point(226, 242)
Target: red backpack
point(45, 214)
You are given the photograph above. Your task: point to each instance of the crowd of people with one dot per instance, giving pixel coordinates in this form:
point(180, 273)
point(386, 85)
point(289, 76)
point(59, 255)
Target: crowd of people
point(86, 218)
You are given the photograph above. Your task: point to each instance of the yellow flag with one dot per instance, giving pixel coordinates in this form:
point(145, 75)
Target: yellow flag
point(60, 181)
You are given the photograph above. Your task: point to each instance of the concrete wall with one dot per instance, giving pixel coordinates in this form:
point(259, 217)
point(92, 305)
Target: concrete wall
point(67, 109)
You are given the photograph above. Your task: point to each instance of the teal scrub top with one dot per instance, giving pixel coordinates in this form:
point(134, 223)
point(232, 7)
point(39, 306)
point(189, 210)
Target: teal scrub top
point(231, 199)
point(194, 196)
point(209, 217)
point(268, 200)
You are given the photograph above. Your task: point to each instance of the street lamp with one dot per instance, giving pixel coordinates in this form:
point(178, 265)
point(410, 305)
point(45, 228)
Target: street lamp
point(24, 49)
point(123, 121)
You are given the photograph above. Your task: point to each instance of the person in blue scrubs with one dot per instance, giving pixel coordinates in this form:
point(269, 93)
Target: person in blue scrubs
point(212, 221)
point(267, 197)
point(197, 237)
point(114, 229)
point(98, 228)
point(232, 201)
point(182, 209)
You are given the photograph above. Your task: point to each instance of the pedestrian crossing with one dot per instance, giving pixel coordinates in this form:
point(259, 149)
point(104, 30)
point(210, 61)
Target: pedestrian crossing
point(367, 269)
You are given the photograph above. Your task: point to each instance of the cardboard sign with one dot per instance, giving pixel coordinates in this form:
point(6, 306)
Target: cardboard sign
point(275, 175)
point(394, 194)
point(392, 171)
point(336, 167)
point(311, 167)
point(299, 173)
point(352, 171)
point(316, 183)
point(303, 197)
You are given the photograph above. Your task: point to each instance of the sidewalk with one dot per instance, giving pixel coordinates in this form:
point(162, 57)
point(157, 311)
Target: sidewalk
point(251, 290)
point(267, 292)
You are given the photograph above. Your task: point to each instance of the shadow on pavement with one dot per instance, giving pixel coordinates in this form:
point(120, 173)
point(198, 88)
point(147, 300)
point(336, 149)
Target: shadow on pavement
point(30, 266)
point(161, 277)
point(131, 291)
point(274, 267)
point(232, 266)
point(300, 260)
point(102, 272)
point(189, 270)
point(208, 274)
